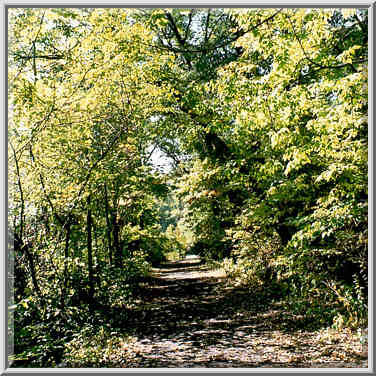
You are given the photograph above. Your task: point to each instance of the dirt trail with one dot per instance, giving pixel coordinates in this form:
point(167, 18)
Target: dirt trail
point(188, 317)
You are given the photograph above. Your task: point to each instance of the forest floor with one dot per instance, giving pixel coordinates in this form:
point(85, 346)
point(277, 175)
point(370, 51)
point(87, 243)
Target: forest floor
point(188, 316)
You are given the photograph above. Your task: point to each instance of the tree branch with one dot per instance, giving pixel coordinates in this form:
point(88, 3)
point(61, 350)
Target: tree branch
point(188, 26)
point(239, 33)
point(207, 26)
point(35, 56)
point(314, 62)
point(179, 38)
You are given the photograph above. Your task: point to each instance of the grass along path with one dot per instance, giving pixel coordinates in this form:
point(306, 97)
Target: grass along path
point(188, 316)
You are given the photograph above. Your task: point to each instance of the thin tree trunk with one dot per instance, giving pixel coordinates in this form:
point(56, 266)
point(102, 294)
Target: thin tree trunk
point(19, 245)
point(66, 256)
point(19, 241)
point(97, 264)
point(118, 251)
point(90, 251)
point(32, 269)
point(108, 230)
point(66, 253)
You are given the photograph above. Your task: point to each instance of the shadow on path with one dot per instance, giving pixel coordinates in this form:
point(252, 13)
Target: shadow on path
point(187, 316)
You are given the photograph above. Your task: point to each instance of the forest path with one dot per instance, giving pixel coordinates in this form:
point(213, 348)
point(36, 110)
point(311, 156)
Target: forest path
point(187, 316)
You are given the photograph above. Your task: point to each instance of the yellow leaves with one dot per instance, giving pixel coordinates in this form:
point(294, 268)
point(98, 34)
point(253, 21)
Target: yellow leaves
point(331, 173)
point(280, 138)
point(299, 15)
point(317, 28)
point(51, 15)
point(296, 53)
point(348, 55)
point(272, 190)
point(260, 117)
point(121, 34)
point(97, 15)
point(348, 12)
point(125, 202)
point(243, 116)
point(42, 90)
point(299, 158)
point(213, 193)
point(159, 12)
point(87, 103)
point(161, 22)
point(151, 91)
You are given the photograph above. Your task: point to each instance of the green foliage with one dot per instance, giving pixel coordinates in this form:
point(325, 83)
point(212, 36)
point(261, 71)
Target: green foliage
point(264, 115)
point(96, 348)
point(253, 258)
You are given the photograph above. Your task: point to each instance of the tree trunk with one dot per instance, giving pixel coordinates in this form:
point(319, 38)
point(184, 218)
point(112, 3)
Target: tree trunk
point(117, 245)
point(108, 230)
point(66, 256)
point(66, 252)
point(19, 244)
point(97, 264)
point(90, 251)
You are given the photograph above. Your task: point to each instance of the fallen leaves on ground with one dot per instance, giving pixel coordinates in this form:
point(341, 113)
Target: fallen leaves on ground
point(187, 316)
